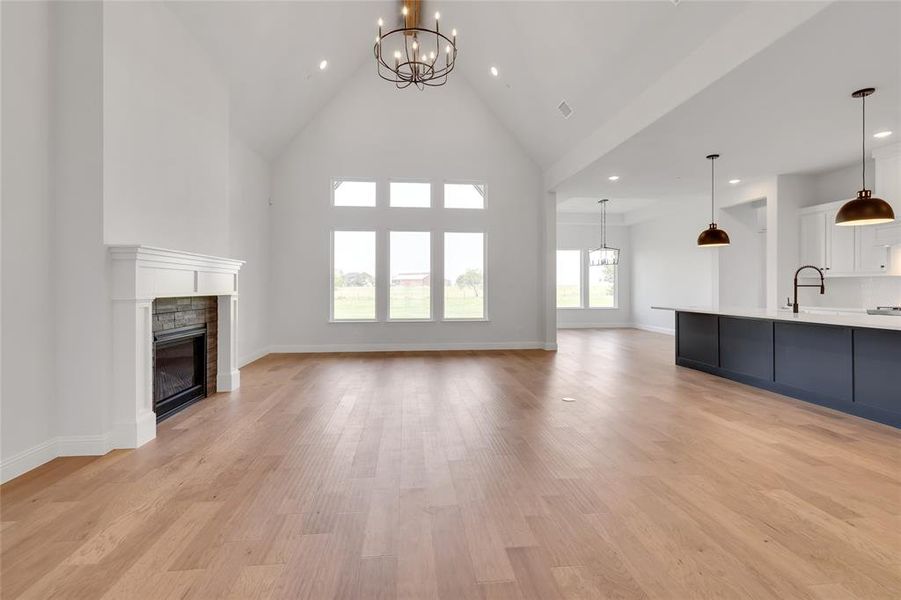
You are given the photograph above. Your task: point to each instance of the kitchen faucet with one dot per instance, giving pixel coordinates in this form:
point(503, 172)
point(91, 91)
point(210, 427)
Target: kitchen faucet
point(822, 285)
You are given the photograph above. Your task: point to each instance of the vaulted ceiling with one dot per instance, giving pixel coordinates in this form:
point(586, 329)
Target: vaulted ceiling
point(654, 85)
point(595, 55)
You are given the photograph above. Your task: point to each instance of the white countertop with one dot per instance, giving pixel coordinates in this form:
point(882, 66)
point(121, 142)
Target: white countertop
point(844, 320)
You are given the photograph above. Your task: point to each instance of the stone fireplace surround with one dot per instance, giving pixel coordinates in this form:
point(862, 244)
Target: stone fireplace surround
point(174, 313)
point(140, 275)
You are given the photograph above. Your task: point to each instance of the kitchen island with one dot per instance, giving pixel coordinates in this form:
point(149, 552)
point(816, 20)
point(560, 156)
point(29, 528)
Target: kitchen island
point(850, 363)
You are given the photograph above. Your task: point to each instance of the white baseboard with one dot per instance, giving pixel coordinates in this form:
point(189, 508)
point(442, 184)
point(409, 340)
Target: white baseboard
point(34, 457)
point(655, 329)
point(405, 347)
point(29, 459)
point(594, 325)
point(252, 356)
point(228, 381)
point(83, 445)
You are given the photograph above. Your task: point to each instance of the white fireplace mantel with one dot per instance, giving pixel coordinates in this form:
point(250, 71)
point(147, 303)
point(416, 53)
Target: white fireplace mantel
point(140, 274)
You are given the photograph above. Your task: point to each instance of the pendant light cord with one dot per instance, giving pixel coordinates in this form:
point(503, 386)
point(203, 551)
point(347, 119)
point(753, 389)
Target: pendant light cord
point(712, 192)
point(603, 223)
point(863, 144)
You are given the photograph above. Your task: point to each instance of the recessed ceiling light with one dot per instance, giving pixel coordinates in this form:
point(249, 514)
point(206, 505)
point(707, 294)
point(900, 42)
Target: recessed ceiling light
point(323, 65)
point(734, 181)
point(494, 71)
point(613, 177)
point(882, 134)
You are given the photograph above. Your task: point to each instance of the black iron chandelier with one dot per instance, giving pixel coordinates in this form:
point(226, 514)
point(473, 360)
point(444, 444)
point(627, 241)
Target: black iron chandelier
point(416, 55)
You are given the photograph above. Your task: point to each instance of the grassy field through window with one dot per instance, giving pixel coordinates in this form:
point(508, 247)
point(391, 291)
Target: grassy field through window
point(464, 303)
point(354, 302)
point(602, 286)
point(568, 296)
point(408, 302)
point(601, 295)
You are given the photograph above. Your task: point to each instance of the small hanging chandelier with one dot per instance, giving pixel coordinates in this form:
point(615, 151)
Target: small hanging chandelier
point(866, 209)
point(713, 237)
point(416, 51)
point(603, 255)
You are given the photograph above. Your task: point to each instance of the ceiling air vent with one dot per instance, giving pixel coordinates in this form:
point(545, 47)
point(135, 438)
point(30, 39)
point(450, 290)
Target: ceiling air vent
point(565, 109)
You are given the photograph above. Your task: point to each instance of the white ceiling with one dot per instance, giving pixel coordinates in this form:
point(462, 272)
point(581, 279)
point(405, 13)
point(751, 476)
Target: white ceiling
point(588, 204)
point(269, 54)
point(596, 55)
point(786, 110)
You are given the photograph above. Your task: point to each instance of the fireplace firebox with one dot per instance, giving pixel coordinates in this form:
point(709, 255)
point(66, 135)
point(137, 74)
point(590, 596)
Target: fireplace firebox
point(179, 369)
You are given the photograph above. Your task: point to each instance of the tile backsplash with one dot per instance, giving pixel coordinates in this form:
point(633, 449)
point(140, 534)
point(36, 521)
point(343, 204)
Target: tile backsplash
point(856, 292)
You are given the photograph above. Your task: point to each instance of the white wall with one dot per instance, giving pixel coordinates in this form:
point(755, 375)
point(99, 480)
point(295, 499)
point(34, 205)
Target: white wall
point(742, 265)
point(115, 129)
point(372, 130)
point(83, 306)
point(165, 134)
point(839, 184)
point(577, 231)
point(27, 318)
point(249, 192)
point(668, 267)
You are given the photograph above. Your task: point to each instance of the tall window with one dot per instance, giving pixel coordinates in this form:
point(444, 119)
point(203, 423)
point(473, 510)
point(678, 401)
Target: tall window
point(464, 195)
point(569, 278)
point(601, 285)
point(353, 275)
point(464, 276)
point(410, 195)
point(411, 278)
point(353, 193)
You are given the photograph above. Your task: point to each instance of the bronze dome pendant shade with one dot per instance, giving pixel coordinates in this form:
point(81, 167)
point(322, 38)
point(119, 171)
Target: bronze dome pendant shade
point(866, 209)
point(713, 236)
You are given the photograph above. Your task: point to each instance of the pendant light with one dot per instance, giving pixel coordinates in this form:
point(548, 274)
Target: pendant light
point(603, 255)
point(713, 237)
point(866, 209)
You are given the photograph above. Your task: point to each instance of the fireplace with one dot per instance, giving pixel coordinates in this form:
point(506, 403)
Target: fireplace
point(179, 369)
point(152, 289)
point(184, 352)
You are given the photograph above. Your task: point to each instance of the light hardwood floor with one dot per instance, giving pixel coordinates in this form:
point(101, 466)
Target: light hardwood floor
point(464, 475)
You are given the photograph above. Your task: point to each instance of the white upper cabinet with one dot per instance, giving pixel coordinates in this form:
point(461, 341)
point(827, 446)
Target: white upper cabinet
point(840, 246)
point(866, 251)
point(872, 257)
point(843, 251)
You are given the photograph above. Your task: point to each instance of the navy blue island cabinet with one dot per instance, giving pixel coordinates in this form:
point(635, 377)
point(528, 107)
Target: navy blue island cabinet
point(856, 370)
